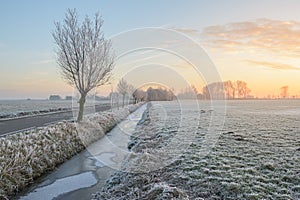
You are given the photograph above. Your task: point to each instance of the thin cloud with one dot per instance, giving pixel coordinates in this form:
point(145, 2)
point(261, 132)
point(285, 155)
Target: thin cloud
point(142, 57)
point(272, 65)
point(264, 35)
point(187, 30)
point(42, 62)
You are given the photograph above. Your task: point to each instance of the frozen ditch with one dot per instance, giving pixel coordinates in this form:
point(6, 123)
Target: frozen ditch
point(85, 173)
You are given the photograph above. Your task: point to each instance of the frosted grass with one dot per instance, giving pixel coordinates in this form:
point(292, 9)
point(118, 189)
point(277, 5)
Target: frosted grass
point(257, 156)
point(27, 155)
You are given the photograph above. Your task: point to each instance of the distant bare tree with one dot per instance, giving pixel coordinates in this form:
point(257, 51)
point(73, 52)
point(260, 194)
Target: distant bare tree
point(205, 92)
point(139, 95)
point(229, 88)
point(194, 89)
point(131, 90)
point(159, 94)
point(214, 91)
point(239, 88)
point(188, 93)
point(114, 98)
point(84, 55)
point(122, 88)
point(284, 91)
point(242, 89)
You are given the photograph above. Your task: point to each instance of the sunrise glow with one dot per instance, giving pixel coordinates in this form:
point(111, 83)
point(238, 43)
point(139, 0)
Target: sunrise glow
point(244, 43)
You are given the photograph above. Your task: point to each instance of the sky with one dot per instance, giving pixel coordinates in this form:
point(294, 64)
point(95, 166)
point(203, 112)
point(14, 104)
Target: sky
point(257, 41)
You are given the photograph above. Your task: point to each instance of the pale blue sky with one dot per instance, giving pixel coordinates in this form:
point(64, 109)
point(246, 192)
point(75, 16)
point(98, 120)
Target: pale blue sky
point(26, 44)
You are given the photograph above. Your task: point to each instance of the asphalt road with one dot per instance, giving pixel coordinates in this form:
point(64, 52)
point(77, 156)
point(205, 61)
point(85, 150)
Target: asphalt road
point(15, 125)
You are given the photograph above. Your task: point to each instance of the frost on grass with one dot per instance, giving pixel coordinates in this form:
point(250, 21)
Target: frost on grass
point(27, 155)
point(249, 161)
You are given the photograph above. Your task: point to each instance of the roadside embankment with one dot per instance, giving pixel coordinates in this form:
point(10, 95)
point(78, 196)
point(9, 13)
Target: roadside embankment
point(27, 155)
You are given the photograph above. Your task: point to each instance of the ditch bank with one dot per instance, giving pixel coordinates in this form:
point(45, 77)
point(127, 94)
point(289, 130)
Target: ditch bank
point(25, 156)
point(83, 174)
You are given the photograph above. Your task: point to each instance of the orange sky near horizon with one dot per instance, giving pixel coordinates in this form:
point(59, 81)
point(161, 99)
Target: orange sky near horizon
point(264, 53)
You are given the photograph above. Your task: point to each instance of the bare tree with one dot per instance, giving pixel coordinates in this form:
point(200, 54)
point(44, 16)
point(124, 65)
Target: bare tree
point(131, 90)
point(84, 55)
point(284, 91)
point(188, 93)
point(205, 92)
point(239, 88)
point(242, 89)
point(139, 95)
point(195, 90)
point(214, 91)
point(159, 94)
point(122, 88)
point(229, 88)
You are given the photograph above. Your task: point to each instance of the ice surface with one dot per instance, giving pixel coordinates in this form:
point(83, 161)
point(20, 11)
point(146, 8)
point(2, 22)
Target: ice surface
point(62, 186)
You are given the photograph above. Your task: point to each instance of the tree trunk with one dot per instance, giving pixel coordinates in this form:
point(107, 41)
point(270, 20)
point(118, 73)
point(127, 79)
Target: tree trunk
point(123, 101)
point(81, 107)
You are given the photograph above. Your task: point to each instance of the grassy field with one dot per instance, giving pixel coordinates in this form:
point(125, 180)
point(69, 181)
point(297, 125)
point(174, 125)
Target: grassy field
point(255, 157)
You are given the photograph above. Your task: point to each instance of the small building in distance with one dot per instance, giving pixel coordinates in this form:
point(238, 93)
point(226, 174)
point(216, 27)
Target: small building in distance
point(68, 98)
point(54, 97)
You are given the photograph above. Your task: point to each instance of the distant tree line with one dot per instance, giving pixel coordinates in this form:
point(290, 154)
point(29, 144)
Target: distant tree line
point(189, 93)
point(126, 92)
point(159, 94)
point(218, 90)
point(226, 90)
